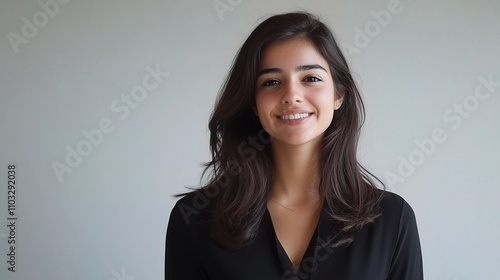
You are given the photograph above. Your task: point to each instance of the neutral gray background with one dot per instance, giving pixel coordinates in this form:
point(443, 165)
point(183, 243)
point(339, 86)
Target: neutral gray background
point(107, 218)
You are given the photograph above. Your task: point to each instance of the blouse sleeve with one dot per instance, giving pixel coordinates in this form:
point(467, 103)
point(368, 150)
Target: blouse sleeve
point(181, 260)
point(407, 258)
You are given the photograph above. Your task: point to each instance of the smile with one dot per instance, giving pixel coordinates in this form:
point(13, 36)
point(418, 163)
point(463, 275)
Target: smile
point(295, 116)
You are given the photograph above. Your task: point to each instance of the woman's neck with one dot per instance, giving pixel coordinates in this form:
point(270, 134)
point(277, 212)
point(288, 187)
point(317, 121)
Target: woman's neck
point(296, 172)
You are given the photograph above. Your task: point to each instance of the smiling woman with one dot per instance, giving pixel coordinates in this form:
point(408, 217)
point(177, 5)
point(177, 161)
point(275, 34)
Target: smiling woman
point(295, 93)
point(302, 206)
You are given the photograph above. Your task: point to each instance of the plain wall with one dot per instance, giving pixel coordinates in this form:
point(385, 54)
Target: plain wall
point(431, 132)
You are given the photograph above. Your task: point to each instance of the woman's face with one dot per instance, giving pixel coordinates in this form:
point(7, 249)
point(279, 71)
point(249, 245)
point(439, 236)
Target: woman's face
point(295, 95)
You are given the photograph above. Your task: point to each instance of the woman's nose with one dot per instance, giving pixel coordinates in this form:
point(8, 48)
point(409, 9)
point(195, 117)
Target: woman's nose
point(291, 94)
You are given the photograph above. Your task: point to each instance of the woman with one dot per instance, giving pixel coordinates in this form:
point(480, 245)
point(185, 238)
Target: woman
point(286, 198)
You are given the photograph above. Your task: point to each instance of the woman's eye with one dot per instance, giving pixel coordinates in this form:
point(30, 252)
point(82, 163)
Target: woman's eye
point(271, 82)
point(312, 79)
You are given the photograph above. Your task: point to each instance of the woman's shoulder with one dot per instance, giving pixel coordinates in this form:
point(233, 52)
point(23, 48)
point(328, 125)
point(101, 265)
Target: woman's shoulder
point(190, 209)
point(393, 202)
point(191, 212)
point(399, 234)
point(396, 211)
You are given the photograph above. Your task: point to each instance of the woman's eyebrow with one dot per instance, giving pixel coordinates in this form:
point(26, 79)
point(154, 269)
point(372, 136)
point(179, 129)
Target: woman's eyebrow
point(310, 67)
point(297, 69)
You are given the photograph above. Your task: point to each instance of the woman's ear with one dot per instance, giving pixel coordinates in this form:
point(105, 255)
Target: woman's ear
point(339, 98)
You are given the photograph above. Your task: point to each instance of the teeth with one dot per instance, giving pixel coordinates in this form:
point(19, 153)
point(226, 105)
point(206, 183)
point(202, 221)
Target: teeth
point(294, 116)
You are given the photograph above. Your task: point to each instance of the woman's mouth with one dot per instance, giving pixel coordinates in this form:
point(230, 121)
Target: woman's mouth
point(295, 116)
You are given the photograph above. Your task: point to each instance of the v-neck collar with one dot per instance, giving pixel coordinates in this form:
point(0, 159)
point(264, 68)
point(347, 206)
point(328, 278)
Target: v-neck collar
point(322, 231)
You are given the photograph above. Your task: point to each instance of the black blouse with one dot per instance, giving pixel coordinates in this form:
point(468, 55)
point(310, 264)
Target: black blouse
point(389, 248)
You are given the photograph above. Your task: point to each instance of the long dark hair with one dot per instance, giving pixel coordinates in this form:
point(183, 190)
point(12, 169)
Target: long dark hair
point(241, 169)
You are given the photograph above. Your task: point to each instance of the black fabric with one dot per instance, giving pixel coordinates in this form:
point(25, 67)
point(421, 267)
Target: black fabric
point(388, 249)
